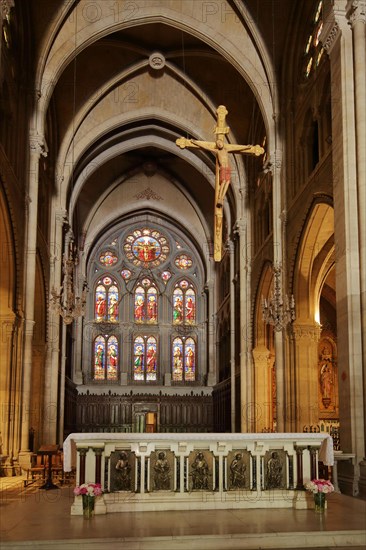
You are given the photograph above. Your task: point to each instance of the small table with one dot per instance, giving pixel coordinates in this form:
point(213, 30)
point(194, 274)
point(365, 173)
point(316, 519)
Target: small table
point(49, 450)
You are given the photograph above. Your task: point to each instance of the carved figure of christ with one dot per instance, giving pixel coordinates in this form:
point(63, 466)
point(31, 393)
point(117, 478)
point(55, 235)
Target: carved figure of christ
point(223, 168)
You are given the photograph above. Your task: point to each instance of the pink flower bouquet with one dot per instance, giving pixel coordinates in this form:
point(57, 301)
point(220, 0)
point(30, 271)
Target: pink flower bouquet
point(90, 489)
point(319, 486)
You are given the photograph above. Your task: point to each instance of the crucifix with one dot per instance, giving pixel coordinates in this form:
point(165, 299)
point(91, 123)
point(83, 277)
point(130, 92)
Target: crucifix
point(223, 169)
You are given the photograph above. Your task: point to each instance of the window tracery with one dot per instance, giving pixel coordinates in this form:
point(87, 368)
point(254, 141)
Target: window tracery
point(140, 287)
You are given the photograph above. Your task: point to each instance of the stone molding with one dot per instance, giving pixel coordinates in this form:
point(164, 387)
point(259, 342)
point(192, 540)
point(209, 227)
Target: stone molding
point(306, 331)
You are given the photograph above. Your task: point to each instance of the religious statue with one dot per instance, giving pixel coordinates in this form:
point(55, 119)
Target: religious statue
point(200, 472)
point(237, 472)
point(162, 472)
point(223, 169)
point(274, 471)
point(124, 473)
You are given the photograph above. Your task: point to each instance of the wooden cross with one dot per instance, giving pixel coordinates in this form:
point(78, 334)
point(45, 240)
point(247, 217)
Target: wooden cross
point(223, 169)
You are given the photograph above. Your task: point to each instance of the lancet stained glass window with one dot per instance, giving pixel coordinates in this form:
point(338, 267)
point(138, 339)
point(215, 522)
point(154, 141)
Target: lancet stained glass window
point(145, 361)
point(146, 302)
point(184, 303)
point(106, 358)
point(106, 300)
point(184, 360)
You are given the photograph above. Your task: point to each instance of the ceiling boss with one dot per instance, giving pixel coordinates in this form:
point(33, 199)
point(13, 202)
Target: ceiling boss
point(223, 169)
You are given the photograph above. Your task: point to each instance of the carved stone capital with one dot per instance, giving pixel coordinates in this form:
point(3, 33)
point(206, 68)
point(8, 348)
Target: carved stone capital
point(306, 331)
point(61, 216)
point(356, 11)
point(5, 7)
point(37, 144)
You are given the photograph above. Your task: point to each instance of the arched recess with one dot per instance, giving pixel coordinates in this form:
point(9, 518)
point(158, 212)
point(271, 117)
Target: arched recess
point(9, 372)
point(38, 359)
point(264, 359)
point(314, 265)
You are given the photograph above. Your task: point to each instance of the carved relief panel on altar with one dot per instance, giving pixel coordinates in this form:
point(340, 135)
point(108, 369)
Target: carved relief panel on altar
point(201, 475)
point(275, 469)
point(162, 470)
point(327, 378)
point(238, 470)
point(122, 471)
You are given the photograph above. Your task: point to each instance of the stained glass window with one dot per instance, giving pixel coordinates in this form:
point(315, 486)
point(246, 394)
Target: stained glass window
point(99, 358)
point(112, 363)
point(106, 300)
point(184, 360)
point(145, 358)
point(184, 303)
point(183, 261)
point(108, 258)
point(106, 358)
point(146, 247)
point(313, 49)
point(146, 302)
point(156, 302)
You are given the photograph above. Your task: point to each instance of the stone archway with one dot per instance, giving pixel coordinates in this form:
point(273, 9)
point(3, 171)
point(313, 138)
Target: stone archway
point(315, 257)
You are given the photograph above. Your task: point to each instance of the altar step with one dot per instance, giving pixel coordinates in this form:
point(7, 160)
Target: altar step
point(41, 520)
point(266, 541)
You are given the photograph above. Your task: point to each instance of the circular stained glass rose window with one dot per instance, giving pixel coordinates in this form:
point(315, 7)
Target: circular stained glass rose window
point(146, 247)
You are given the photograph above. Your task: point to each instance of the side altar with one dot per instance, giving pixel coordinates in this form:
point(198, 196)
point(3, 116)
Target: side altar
point(142, 472)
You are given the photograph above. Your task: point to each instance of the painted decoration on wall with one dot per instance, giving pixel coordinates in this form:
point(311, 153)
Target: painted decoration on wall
point(108, 258)
point(328, 377)
point(190, 360)
point(177, 374)
point(146, 247)
point(99, 358)
point(112, 362)
point(183, 261)
point(139, 359)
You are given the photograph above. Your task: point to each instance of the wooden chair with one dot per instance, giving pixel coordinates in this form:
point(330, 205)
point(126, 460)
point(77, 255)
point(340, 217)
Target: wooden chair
point(36, 471)
point(57, 467)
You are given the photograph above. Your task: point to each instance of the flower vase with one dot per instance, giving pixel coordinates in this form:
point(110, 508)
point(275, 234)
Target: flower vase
point(319, 501)
point(88, 506)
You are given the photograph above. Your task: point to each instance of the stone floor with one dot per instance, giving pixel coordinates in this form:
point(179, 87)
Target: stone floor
point(41, 519)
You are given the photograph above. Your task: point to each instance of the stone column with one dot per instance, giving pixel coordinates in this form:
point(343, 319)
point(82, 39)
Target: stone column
point(37, 149)
point(356, 12)
point(276, 166)
point(232, 333)
point(306, 337)
point(58, 219)
point(246, 358)
point(337, 39)
point(263, 388)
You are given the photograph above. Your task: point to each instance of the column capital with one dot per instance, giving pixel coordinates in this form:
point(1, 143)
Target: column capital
point(5, 7)
point(356, 11)
point(306, 331)
point(37, 144)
